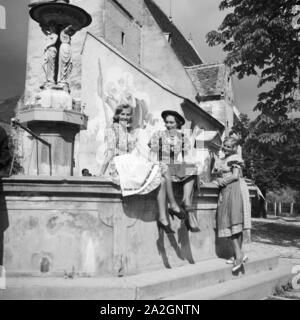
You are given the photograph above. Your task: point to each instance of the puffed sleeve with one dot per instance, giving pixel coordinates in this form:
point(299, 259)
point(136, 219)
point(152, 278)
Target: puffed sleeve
point(235, 161)
point(154, 141)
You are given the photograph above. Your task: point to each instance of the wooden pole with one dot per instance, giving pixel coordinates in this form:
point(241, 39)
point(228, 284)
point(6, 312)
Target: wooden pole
point(279, 209)
point(292, 209)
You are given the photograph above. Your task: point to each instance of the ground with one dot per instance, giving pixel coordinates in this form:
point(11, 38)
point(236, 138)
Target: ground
point(282, 236)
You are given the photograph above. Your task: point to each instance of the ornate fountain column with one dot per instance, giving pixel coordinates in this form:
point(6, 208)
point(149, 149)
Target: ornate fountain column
point(55, 116)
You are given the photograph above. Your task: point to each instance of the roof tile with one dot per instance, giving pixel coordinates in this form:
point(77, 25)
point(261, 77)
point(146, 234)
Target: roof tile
point(209, 79)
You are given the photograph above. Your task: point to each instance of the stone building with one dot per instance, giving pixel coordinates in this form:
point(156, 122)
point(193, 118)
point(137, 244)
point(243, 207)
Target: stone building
point(133, 53)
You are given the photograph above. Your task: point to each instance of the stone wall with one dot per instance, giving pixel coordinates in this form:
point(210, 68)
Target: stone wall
point(135, 7)
point(84, 225)
point(122, 31)
point(159, 59)
point(221, 110)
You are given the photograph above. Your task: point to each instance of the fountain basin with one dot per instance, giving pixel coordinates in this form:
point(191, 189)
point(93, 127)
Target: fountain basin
point(61, 14)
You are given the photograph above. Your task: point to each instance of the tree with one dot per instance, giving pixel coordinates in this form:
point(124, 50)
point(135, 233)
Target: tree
point(259, 39)
point(271, 165)
point(242, 126)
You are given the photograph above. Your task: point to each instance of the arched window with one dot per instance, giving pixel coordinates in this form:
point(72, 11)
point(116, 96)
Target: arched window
point(2, 17)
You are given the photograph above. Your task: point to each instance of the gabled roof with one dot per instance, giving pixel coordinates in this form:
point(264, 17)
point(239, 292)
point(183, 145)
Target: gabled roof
point(181, 46)
point(209, 79)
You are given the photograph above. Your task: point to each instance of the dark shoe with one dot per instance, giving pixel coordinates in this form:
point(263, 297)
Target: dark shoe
point(232, 260)
point(180, 215)
point(189, 227)
point(238, 267)
point(167, 228)
point(188, 210)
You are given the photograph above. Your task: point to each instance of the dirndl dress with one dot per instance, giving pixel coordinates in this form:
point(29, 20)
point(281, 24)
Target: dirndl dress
point(168, 151)
point(134, 173)
point(234, 211)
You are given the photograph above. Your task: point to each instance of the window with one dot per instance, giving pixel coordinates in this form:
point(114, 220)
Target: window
point(2, 17)
point(123, 38)
point(168, 36)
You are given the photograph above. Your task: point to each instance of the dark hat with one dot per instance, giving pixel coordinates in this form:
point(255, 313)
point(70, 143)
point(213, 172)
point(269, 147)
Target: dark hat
point(174, 114)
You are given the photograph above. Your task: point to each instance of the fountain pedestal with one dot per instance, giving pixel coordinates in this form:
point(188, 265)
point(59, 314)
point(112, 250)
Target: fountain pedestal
point(59, 128)
point(55, 117)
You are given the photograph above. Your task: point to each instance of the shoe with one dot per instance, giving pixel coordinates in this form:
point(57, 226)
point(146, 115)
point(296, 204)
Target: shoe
point(238, 267)
point(180, 215)
point(167, 228)
point(232, 259)
point(189, 227)
point(245, 259)
point(188, 209)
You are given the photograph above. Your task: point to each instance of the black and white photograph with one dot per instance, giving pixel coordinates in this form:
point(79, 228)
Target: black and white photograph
point(149, 153)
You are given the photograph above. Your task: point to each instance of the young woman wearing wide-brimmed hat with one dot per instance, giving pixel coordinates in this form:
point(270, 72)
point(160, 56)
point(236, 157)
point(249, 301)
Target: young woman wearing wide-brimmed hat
point(170, 145)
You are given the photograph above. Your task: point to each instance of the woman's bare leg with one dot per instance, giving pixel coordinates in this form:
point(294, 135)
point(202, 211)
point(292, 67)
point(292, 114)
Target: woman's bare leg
point(241, 237)
point(170, 192)
point(236, 240)
point(188, 191)
point(162, 202)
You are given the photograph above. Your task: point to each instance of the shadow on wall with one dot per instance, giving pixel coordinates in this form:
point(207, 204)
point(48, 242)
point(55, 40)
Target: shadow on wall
point(144, 208)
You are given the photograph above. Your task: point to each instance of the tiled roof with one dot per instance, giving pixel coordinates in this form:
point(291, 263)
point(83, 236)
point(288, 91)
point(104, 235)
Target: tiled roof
point(181, 46)
point(209, 79)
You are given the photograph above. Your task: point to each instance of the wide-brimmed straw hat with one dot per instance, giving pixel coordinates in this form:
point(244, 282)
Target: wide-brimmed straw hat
point(174, 114)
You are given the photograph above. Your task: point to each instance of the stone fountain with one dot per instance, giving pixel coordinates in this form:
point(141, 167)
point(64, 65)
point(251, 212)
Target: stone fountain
point(55, 116)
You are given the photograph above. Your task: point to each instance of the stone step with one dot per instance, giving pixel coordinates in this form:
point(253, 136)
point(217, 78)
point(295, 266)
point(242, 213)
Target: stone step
point(201, 275)
point(151, 285)
point(253, 287)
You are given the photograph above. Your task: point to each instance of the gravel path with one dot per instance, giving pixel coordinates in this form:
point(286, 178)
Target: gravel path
point(282, 236)
point(279, 235)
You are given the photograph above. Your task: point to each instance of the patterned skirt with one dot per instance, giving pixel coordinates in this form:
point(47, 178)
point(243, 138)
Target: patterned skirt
point(135, 175)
